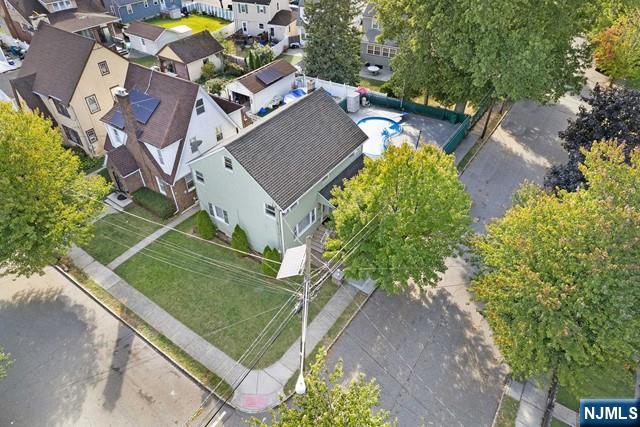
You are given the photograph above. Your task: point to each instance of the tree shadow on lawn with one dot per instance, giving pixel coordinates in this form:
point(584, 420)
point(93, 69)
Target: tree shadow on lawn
point(430, 359)
point(54, 347)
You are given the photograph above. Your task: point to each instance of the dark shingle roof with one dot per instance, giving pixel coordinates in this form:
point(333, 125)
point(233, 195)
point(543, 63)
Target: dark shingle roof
point(292, 150)
point(122, 160)
point(23, 86)
point(251, 81)
point(194, 47)
point(283, 18)
point(27, 8)
point(58, 59)
point(78, 21)
point(349, 172)
point(144, 30)
point(170, 120)
point(226, 105)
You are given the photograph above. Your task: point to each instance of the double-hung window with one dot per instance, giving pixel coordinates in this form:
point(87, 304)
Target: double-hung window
point(92, 103)
point(190, 184)
point(200, 176)
point(269, 210)
point(60, 107)
point(104, 68)
point(228, 164)
point(305, 223)
point(242, 8)
point(200, 106)
point(218, 213)
point(219, 135)
point(162, 186)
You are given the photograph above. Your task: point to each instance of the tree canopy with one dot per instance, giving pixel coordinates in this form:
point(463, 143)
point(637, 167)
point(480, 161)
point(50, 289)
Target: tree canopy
point(560, 272)
point(258, 56)
point(5, 362)
point(332, 48)
point(617, 48)
point(400, 217)
point(328, 403)
point(47, 202)
point(612, 113)
point(460, 51)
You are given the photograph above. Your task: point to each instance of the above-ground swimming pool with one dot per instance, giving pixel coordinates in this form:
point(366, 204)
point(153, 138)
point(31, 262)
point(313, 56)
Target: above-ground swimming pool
point(379, 130)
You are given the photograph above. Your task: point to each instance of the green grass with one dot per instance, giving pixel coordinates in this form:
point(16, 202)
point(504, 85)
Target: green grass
point(208, 299)
point(374, 85)
point(145, 61)
point(110, 241)
point(163, 343)
point(507, 412)
point(558, 423)
point(615, 383)
point(291, 59)
point(197, 23)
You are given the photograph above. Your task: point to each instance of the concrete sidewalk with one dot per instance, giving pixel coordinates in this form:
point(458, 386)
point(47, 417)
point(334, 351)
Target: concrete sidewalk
point(152, 237)
point(532, 405)
point(261, 388)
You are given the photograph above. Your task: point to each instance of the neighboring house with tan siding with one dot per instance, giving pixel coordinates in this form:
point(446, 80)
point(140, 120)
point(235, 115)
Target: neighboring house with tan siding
point(284, 168)
point(73, 78)
point(185, 57)
point(157, 126)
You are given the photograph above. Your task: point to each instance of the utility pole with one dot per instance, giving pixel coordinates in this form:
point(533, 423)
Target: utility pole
point(301, 387)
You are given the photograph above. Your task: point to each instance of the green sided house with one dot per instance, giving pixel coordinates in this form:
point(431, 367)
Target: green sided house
point(275, 178)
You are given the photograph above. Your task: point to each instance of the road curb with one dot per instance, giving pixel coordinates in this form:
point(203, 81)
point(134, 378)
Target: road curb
point(182, 369)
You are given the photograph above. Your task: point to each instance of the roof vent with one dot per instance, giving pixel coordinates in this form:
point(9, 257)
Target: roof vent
point(120, 91)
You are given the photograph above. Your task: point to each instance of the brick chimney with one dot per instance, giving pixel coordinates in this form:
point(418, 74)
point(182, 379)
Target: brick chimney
point(135, 147)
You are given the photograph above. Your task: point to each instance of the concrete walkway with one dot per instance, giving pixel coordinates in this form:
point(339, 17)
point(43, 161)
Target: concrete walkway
point(261, 388)
point(152, 237)
point(532, 404)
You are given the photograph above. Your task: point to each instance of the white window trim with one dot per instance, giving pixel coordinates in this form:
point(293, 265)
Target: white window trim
point(160, 158)
point(275, 213)
point(188, 179)
point(215, 213)
point(161, 185)
point(313, 213)
point(224, 163)
point(129, 9)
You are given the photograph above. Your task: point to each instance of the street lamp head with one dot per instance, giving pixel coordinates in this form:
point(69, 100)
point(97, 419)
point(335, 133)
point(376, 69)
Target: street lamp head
point(301, 387)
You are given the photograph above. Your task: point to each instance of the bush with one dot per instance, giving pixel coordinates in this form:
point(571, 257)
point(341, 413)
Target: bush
point(154, 202)
point(239, 240)
point(205, 227)
point(215, 86)
point(88, 164)
point(208, 71)
point(270, 268)
point(233, 69)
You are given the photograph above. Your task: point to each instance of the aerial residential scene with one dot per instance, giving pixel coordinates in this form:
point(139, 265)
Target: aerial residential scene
point(319, 213)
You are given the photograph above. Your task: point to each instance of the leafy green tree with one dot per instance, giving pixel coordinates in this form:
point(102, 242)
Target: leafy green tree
point(271, 263)
point(460, 51)
point(239, 240)
point(258, 56)
point(617, 48)
point(215, 86)
point(560, 271)
point(5, 362)
point(47, 202)
point(206, 228)
point(208, 71)
point(413, 212)
point(329, 403)
point(332, 49)
point(600, 14)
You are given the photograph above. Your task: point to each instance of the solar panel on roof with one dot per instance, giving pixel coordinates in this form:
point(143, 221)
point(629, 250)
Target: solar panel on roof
point(117, 119)
point(268, 75)
point(143, 105)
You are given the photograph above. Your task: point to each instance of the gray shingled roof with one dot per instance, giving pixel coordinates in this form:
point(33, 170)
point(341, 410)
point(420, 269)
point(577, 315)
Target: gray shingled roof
point(292, 150)
point(194, 47)
point(145, 30)
point(58, 59)
point(23, 86)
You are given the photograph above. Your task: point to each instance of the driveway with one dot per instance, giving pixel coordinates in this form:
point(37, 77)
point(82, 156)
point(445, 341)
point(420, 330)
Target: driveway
point(75, 364)
point(432, 354)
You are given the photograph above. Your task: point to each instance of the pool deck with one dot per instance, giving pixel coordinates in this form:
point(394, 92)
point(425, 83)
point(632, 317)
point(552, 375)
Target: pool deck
point(431, 131)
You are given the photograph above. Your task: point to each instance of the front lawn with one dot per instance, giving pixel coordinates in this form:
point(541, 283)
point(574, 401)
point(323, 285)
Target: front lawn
point(117, 232)
point(507, 412)
point(197, 23)
point(291, 59)
point(227, 308)
point(615, 383)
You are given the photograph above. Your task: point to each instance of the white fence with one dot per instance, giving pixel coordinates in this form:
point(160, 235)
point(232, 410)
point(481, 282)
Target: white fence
point(227, 30)
point(209, 9)
point(337, 90)
point(278, 48)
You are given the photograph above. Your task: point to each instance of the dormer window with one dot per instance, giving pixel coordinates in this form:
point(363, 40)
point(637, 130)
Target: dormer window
point(199, 106)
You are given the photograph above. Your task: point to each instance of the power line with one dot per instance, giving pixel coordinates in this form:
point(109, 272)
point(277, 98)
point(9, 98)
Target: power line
point(223, 265)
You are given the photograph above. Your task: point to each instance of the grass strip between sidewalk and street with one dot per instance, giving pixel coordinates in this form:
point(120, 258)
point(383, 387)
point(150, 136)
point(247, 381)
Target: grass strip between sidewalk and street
point(162, 343)
point(507, 412)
